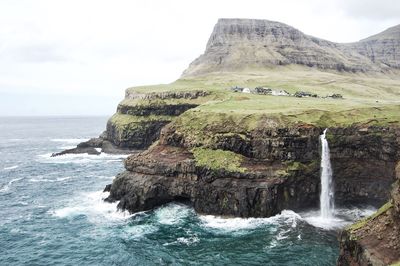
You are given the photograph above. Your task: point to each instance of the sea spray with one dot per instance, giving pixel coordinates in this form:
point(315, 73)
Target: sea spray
point(327, 194)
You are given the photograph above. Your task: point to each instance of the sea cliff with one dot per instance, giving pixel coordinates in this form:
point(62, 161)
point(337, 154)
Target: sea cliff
point(238, 133)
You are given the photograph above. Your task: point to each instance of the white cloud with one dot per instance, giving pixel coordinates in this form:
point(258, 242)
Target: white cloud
point(99, 47)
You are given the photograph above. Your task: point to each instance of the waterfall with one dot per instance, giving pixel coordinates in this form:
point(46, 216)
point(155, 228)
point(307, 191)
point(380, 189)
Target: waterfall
point(327, 195)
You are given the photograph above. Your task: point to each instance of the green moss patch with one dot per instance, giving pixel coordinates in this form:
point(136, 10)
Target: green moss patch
point(360, 224)
point(218, 159)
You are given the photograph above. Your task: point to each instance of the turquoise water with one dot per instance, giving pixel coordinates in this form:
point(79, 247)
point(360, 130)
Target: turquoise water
point(52, 213)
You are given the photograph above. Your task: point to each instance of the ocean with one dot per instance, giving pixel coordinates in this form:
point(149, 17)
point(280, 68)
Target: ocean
point(52, 212)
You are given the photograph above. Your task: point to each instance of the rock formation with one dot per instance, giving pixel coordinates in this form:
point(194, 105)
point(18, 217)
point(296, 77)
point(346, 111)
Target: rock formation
point(240, 44)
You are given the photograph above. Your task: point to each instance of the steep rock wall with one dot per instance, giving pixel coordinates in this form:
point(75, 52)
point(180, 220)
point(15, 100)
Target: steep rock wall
point(279, 169)
point(376, 239)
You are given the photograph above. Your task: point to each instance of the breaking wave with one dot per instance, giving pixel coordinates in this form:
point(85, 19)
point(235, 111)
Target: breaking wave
point(92, 206)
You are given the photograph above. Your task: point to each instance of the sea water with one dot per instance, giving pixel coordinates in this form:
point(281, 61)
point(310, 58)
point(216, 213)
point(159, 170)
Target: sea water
point(52, 212)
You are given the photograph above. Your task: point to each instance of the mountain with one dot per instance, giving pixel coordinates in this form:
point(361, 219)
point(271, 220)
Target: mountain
point(382, 48)
point(239, 44)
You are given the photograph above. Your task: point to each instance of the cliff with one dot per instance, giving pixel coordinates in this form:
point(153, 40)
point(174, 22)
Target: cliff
point(240, 44)
point(375, 240)
point(205, 140)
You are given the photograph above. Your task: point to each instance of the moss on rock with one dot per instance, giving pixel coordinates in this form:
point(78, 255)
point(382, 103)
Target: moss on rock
point(360, 224)
point(218, 159)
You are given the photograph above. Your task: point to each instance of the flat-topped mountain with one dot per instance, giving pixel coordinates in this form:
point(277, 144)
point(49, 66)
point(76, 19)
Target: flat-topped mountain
point(239, 44)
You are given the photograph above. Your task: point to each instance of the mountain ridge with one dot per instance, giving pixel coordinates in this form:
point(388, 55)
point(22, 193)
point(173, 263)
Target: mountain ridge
point(237, 44)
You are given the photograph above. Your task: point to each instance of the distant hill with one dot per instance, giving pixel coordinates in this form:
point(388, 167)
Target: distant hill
point(239, 44)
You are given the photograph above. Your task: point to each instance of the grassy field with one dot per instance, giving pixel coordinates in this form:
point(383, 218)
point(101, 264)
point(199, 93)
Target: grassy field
point(365, 97)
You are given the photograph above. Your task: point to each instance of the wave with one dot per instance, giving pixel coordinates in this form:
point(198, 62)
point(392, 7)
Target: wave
point(11, 167)
point(66, 147)
point(80, 158)
point(188, 240)
point(93, 206)
point(106, 177)
point(235, 224)
point(70, 140)
point(139, 231)
point(7, 186)
point(173, 213)
point(41, 179)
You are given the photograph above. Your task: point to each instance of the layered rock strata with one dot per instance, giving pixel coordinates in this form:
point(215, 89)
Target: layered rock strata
point(278, 169)
point(138, 121)
point(240, 44)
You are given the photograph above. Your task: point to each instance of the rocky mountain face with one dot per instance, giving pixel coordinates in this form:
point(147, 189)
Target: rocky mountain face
point(237, 44)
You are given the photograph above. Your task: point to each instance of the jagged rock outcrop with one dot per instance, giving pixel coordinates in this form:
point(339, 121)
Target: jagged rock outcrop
point(240, 44)
point(95, 146)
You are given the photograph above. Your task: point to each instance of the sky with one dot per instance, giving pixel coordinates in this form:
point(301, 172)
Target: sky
point(70, 57)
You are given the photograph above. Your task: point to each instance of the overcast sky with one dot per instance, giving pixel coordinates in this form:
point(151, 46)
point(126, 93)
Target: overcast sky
point(70, 57)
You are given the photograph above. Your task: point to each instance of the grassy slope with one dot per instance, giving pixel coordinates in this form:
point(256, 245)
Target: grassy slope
point(365, 97)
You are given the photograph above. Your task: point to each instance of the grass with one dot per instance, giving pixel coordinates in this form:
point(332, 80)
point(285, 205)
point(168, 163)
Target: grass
point(360, 224)
point(366, 97)
point(372, 100)
point(217, 159)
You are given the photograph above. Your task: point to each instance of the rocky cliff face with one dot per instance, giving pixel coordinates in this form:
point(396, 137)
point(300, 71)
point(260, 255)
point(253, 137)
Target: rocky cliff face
point(277, 168)
point(240, 44)
point(383, 48)
point(375, 240)
point(138, 121)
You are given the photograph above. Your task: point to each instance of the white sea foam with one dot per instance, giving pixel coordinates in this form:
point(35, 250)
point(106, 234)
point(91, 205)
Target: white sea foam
point(342, 217)
point(188, 240)
point(106, 177)
point(236, 224)
point(41, 179)
point(70, 140)
point(7, 186)
point(80, 158)
point(66, 147)
point(140, 230)
point(11, 167)
point(93, 206)
point(172, 213)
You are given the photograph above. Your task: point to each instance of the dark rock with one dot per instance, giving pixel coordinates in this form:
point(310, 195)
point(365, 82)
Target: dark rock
point(107, 188)
point(282, 171)
point(78, 150)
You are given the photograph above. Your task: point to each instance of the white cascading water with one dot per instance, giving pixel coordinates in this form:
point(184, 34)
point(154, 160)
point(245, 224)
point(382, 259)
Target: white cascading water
point(327, 195)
